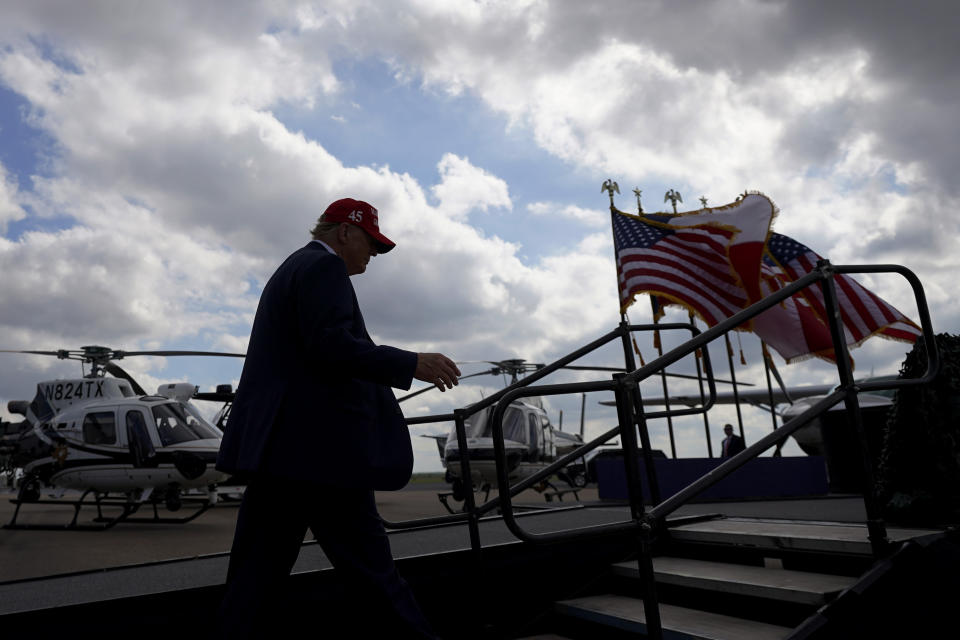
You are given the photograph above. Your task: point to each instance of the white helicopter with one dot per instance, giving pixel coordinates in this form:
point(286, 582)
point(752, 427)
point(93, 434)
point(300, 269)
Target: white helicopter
point(531, 441)
point(107, 437)
point(874, 406)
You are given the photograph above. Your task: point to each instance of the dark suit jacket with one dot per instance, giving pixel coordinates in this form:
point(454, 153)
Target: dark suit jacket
point(313, 402)
point(733, 448)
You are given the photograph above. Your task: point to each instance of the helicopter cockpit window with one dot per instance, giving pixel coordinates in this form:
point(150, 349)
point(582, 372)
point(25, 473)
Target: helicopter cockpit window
point(513, 427)
point(100, 428)
point(476, 425)
point(175, 424)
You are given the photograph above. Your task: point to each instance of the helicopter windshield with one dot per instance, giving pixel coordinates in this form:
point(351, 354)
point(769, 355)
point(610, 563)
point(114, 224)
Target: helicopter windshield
point(512, 425)
point(214, 424)
point(175, 425)
point(475, 424)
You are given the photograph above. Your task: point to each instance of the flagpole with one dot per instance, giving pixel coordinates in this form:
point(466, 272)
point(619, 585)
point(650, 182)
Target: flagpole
point(733, 379)
point(703, 397)
point(655, 314)
point(583, 413)
point(631, 364)
point(610, 187)
point(766, 368)
point(663, 378)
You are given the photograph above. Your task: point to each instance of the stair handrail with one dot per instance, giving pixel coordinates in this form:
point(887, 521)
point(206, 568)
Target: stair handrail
point(626, 388)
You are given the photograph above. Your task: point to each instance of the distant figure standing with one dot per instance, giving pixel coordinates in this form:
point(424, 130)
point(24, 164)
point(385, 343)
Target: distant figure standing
point(314, 430)
point(732, 444)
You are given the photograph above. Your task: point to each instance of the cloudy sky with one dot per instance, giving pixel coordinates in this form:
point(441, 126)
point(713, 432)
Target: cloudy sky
point(158, 159)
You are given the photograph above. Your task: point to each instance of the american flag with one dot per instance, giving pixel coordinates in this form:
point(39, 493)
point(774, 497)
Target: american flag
point(708, 263)
point(793, 328)
point(718, 263)
point(864, 313)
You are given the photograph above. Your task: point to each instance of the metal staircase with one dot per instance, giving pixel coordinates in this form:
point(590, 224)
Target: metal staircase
point(729, 579)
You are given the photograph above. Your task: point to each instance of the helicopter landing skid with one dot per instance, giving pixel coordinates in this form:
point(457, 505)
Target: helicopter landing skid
point(127, 507)
point(458, 496)
point(559, 493)
point(201, 504)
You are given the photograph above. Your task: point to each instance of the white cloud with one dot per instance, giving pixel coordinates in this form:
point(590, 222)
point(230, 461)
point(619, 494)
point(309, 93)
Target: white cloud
point(589, 217)
point(10, 209)
point(447, 287)
point(464, 188)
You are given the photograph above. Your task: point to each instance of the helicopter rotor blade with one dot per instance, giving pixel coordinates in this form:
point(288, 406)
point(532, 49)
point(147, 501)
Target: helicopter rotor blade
point(690, 377)
point(118, 372)
point(88, 353)
point(122, 354)
point(63, 354)
point(672, 375)
point(214, 396)
point(592, 368)
point(414, 394)
point(505, 366)
point(425, 389)
point(101, 357)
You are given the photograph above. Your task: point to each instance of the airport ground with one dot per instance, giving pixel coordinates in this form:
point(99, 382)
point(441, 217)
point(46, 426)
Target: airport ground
point(30, 554)
point(26, 554)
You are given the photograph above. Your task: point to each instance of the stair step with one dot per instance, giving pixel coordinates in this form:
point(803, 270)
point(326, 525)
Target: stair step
point(628, 614)
point(800, 587)
point(832, 537)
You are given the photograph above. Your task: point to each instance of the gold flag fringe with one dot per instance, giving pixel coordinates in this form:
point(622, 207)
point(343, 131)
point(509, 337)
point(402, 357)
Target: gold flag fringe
point(636, 348)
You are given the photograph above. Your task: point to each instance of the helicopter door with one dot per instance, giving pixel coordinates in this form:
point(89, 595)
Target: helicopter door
point(138, 440)
point(534, 429)
point(99, 430)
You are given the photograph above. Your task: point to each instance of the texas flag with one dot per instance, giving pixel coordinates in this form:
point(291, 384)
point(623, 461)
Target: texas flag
point(748, 220)
point(707, 261)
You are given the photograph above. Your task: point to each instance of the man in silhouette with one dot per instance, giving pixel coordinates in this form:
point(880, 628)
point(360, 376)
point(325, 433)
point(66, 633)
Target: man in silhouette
point(314, 430)
point(732, 444)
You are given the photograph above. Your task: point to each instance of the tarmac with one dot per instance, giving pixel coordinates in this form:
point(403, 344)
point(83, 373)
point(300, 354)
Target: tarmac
point(55, 568)
point(33, 554)
point(26, 554)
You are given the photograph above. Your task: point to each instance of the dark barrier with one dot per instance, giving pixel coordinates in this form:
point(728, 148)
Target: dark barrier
point(758, 478)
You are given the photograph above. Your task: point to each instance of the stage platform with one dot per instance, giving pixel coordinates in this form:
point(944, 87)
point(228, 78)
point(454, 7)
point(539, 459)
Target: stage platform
point(140, 560)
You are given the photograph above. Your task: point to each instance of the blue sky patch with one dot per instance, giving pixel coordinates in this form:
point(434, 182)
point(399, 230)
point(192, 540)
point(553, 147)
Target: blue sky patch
point(378, 120)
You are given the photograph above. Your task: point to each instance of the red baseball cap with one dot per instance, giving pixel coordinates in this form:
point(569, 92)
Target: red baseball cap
point(360, 214)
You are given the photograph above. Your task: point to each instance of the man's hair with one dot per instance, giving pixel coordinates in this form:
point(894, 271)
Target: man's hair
point(322, 228)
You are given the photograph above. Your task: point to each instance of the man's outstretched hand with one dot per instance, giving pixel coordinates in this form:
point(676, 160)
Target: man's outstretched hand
point(437, 369)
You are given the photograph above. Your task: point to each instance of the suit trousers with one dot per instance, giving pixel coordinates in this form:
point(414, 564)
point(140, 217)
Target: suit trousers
point(274, 517)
